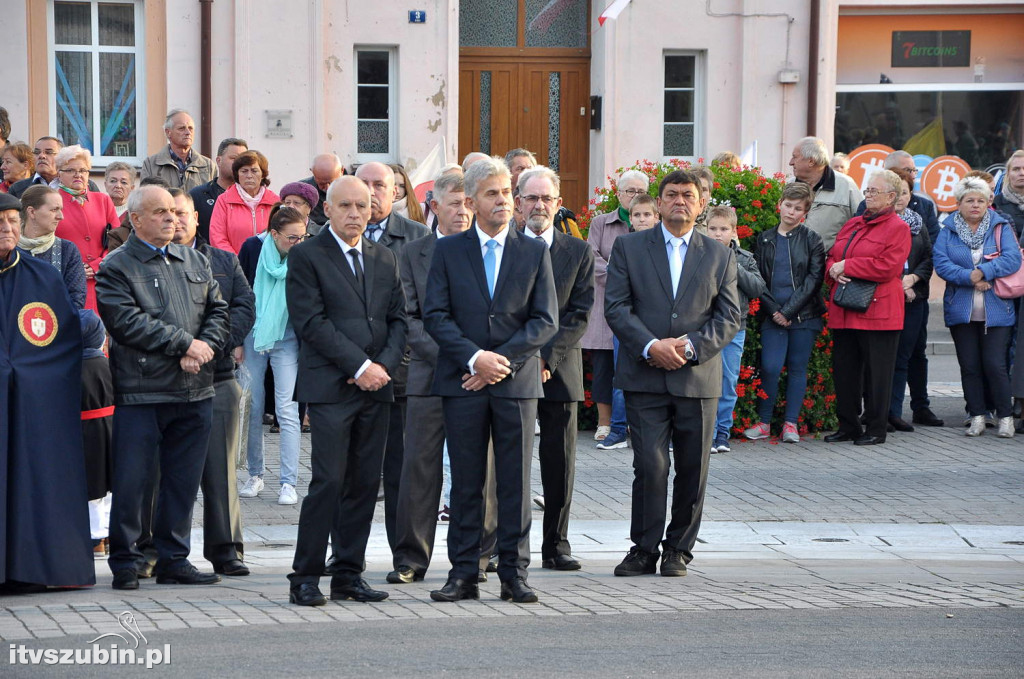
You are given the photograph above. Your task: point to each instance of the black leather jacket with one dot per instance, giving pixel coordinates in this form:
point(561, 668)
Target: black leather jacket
point(807, 262)
point(748, 281)
point(235, 290)
point(153, 307)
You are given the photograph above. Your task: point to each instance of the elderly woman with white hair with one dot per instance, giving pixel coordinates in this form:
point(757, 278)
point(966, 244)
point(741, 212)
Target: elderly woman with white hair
point(604, 229)
point(978, 246)
point(87, 214)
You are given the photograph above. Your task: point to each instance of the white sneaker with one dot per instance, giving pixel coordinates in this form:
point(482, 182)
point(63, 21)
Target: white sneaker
point(252, 487)
point(601, 432)
point(977, 427)
point(1005, 428)
point(288, 495)
point(536, 428)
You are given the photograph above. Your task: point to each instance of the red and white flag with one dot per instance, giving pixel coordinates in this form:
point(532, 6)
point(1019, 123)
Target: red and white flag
point(613, 11)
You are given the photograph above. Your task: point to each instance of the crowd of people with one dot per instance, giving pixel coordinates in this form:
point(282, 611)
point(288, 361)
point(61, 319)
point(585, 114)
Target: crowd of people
point(412, 338)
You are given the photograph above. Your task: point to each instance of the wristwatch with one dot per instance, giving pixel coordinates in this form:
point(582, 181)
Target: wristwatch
point(688, 353)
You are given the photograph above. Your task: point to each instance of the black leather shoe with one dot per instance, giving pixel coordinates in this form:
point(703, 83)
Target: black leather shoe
point(357, 590)
point(492, 565)
point(518, 592)
point(186, 574)
point(926, 417)
point(144, 569)
point(456, 590)
point(482, 576)
point(232, 568)
point(403, 575)
point(840, 436)
point(306, 594)
point(562, 562)
point(638, 562)
point(868, 440)
point(329, 566)
point(673, 565)
point(899, 424)
point(125, 579)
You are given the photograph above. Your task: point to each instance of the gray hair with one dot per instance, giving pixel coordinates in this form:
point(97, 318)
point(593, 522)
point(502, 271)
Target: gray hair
point(893, 159)
point(894, 181)
point(541, 172)
point(634, 174)
point(450, 167)
point(485, 168)
point(118, 166)
point(448, 182)
point(519, 153)
point(69, 153)
point(137, 197)
point(814, 150)
point(472, 157)
point(972, 185)
point(169, 120)
point(706, 174)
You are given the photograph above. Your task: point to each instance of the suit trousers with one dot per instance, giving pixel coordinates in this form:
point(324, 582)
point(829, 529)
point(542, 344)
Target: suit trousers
point(173, 438)
point(348, 440)
point(222, 516)
point(689, 423)
point(557, 452)
point(509, 423)
point(863, 362)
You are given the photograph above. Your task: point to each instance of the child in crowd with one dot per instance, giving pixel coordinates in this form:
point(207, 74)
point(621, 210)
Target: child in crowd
point(722, 227)
point(643, 212)
point(791, 259)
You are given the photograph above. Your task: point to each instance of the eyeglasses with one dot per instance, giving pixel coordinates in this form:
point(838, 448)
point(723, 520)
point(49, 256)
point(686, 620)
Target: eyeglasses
point(75, 172)
point(631, 192)
point(874, 192)
point(294, 239)
point(43, 152)
point(547, 200)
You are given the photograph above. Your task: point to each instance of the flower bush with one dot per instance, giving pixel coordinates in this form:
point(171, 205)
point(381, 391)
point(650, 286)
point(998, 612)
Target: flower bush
point(755, 198)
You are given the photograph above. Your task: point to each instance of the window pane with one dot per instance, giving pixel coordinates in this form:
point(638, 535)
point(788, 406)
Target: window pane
point(117, 24)
point(679, 140)
point(74, 98)
point(488, 23)
point(485, 112)
point(373, 68)
point(373, 136)
point(554, 118)
point(117, 104)
point(679, 71)
point(556, 24)
point(373, 103)
point(678, 107)
point(72, 23)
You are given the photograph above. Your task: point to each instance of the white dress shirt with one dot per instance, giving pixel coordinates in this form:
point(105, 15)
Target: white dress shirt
point(668, 247)
point(502, 235)
point(345, 247)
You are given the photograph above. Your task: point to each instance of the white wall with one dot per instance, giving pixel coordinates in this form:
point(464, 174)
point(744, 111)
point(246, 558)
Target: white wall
point(14, 83)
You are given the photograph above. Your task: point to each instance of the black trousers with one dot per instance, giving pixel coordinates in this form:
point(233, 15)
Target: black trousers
point(472, 422)
point(222, 516)
point(557, 452)
point(862, 366)
point(394, 452)
point(654, 420)
point(348, 441)
point(912, 360)
point(981, 354)
point(173, 438)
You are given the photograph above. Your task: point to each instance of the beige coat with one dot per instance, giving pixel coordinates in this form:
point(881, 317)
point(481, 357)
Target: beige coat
point(604, 229)
point(160, 164)
point(835, 203)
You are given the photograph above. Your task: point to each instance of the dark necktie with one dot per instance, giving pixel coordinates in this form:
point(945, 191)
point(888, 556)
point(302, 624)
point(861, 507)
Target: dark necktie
point(357, 267)
point(373, 232)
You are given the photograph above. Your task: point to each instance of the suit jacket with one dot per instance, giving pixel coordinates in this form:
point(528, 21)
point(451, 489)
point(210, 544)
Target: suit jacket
point(572, 264)
point(640, 307)
point(415, 265)
point(463, 318)
point(340, 326)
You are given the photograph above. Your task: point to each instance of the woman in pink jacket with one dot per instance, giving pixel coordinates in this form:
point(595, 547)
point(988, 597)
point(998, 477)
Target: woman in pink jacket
point(243, 210)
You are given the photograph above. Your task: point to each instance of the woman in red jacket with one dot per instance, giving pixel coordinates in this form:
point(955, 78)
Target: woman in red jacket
point(243, 210)
point(871, 247)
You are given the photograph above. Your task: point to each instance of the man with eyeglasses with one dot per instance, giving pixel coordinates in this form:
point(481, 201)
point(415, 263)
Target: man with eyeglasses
point(45, 152)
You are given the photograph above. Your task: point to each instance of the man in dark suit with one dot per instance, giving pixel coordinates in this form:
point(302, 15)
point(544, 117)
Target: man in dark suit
point(673, 303)
point(420, 486)
point(325, 169)
point(346, 303)
point(572, 263)
point(490, 306)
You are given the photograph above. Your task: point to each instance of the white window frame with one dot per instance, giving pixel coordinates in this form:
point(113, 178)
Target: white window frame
point(699, 93)
point(392, 119)
point(139, 50)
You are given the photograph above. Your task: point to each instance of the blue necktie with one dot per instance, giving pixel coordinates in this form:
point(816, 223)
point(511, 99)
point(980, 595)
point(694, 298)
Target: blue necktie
point(490, 263)
point(373, 232)
point(675, 262)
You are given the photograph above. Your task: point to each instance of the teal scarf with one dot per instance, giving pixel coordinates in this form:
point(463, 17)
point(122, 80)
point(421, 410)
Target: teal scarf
point(271, 307)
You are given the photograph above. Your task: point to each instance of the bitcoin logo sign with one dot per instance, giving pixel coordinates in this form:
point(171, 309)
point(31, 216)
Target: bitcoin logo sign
point(940, 178)
point(866, 159)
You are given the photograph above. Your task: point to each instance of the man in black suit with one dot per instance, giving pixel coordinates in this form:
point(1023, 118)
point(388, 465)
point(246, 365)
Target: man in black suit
point(346, 303)
point(673, 303)
point(572, 263)
point(490, 306)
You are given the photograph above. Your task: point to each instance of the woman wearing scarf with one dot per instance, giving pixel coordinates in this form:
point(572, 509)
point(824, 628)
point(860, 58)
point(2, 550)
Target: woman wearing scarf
point(87, 214)
point(871, 247)
point(42, 210)
point(917, 271)
point(1010, 199)
point(273, 341)
point(243, 210)
point(969, 258)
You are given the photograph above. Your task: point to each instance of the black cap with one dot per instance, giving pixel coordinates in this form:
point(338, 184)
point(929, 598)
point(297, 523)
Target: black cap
point(9, 202)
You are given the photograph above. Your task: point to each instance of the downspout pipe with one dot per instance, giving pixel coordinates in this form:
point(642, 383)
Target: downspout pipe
point(206, 78)
point(812, 69)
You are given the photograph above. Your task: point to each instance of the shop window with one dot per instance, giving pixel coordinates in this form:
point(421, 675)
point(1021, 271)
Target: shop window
point(681, 130)
point(96, 57)
point(375, 104)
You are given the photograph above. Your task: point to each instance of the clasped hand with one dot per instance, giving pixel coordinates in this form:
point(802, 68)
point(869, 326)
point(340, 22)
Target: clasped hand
point(373, 378)
point(838, 272)
point(667, 354)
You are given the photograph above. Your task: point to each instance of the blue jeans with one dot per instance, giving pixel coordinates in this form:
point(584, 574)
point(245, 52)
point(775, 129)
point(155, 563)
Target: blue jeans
point(618, 398)
point(731, 355)
point(790, 347)
point(284, 359)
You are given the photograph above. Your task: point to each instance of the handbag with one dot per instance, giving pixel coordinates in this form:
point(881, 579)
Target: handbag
point(856, 295)
point(1010, 286)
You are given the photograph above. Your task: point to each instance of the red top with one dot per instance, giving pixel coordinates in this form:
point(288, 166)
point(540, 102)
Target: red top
point(84, 225)
point(877, 254)
point(233, 221)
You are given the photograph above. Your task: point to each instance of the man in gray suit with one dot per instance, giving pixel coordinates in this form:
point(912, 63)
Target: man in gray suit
point(673, 303)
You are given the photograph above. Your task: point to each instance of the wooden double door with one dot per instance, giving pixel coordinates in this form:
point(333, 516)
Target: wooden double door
point(537, 103)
